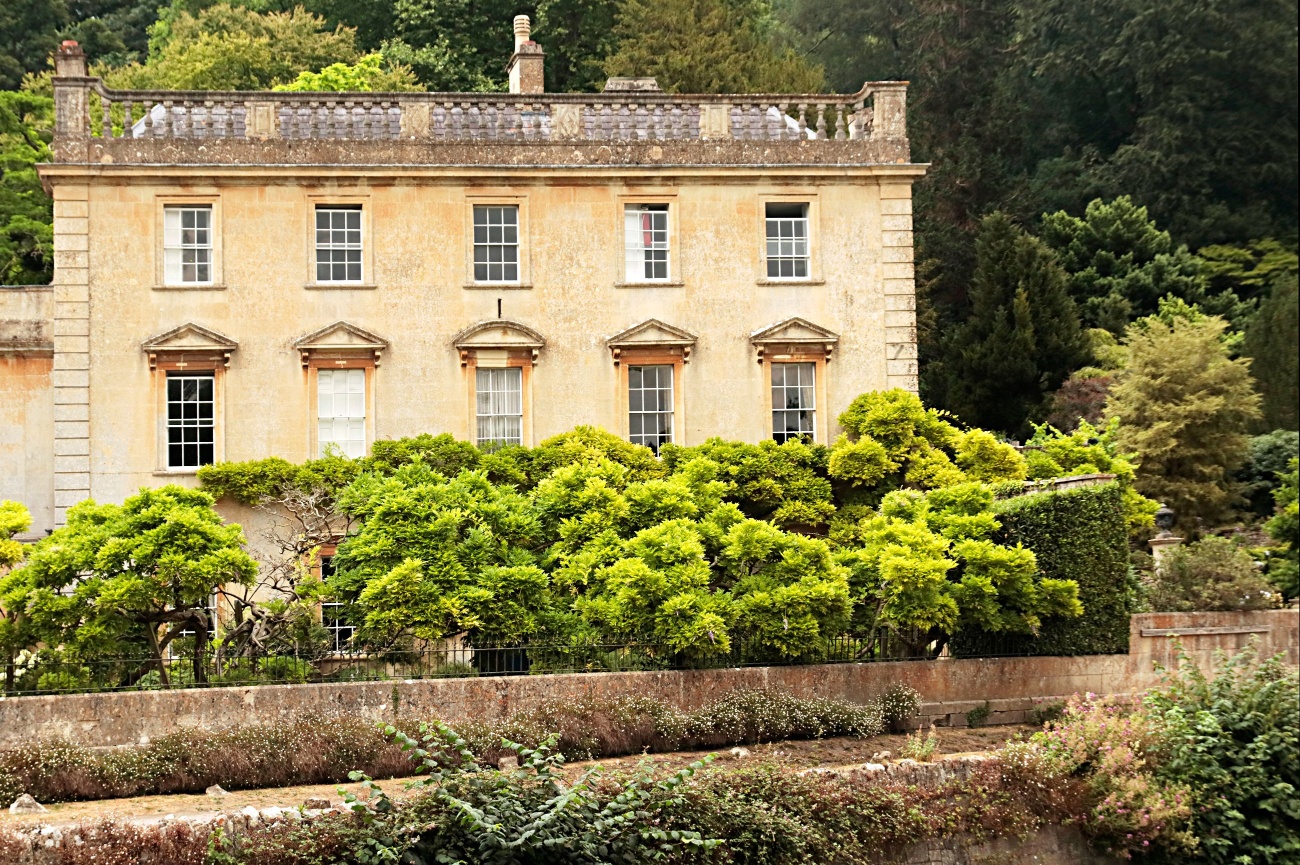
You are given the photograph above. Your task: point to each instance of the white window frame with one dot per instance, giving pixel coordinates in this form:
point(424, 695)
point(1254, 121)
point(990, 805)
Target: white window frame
point(482, 239)
point(792, 243)
point(197, 246)
point(171, 424)
point(780, 400)
point(345, 245)
point(346, 409)
point(495, 408)
point(638, 255)
point(662, 396)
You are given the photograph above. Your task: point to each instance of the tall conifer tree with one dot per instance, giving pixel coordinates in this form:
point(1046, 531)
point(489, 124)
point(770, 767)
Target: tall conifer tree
point(1023, 337)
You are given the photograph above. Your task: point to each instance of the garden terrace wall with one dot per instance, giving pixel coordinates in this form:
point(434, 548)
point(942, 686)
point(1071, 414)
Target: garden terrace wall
point(949, 687)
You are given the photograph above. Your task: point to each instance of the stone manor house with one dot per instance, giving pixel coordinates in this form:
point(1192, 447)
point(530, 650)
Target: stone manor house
point(241, 275)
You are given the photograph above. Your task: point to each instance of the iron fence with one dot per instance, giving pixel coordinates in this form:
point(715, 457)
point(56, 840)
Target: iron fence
point(47, 673)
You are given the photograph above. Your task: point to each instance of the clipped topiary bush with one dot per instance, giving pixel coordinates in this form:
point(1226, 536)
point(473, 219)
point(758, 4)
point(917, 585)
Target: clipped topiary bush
point(1080, 535)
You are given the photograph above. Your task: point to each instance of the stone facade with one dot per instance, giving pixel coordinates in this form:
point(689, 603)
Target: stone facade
point(419, 322)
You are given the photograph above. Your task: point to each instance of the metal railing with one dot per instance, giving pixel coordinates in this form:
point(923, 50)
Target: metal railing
point(45, 673)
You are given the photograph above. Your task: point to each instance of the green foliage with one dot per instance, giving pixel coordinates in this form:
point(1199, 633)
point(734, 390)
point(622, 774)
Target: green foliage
point(368, 74)
point(1272, 341)
point(1119, 264)
point(140, 572)
point(926, 568)
point(1261, 474)
point(892, 441)
point(26, 236)
point(707, 46)
point(1211, 574)
point(225, 47)
point(1022, 338)
point(1185, 406)
point(1111, 748)
point(1284, 527)
point(533, 812)
point(1085, 451)
point(1234, 740)
point(1077, 536)
point(785, 483)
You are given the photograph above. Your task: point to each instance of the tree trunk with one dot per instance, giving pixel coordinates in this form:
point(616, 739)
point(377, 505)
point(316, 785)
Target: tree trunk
point(152, 630)
point(200, 647)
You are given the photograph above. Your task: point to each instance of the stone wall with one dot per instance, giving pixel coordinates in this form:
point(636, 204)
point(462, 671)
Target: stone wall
point(26, 401)
point(950, 688)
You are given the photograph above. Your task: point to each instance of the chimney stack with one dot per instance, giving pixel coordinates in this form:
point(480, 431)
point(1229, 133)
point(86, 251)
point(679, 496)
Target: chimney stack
point(525, 66)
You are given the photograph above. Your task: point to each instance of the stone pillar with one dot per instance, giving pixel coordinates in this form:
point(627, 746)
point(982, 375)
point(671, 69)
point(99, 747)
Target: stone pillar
point(525, 66)
point(889, 110)
point(899, 282)
point(71, 374)
point(71, 102)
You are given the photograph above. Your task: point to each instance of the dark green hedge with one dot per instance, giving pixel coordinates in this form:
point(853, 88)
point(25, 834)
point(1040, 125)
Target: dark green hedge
point(1079, 535)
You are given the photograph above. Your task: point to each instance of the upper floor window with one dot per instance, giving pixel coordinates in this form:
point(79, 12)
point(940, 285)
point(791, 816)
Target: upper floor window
point(500, 406)
point(650, 405)
point(187, 244)
point(496, 243)
point(787, 240)
point(191, 405)
point(793, 401)
point(338, 243)
point(645, 242)
point(341, 411)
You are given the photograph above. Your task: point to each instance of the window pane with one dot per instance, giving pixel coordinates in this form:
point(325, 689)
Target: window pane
point(496, 243)
point(338, 244)
point(190, 420)
point(499, 406)
point(645, 242)
point(650, 405)
point(341, 407)
point(187, 240)
point(786, 244)
point(793, 401)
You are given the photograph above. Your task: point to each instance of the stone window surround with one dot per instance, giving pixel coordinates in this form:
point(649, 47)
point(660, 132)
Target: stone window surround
point(198, 363)
point(797, 354)
point(797, 340)
point(489, 199)
point(187, 348)
point(324, 360)
point(323, 199)
point(815, 274)
point(672, 356)
point(499, 343)
point(323, 349)
point(676, 269)
point(161, 203)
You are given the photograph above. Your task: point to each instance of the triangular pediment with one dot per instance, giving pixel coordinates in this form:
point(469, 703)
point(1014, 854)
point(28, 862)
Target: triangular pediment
point(339, 335)
point(498, 333)
point(794, 330)
point(189, 337)
point(651, 332)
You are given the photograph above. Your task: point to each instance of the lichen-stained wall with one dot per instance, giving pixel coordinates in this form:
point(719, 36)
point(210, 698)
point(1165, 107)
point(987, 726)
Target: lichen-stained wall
point(26, 402)
point(418, 247)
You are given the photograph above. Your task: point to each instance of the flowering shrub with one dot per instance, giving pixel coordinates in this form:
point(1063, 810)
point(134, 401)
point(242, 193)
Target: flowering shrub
point(1109, 744)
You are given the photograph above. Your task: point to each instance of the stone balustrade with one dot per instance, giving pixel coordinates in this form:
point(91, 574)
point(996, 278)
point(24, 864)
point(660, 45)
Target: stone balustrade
point(479, 117)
